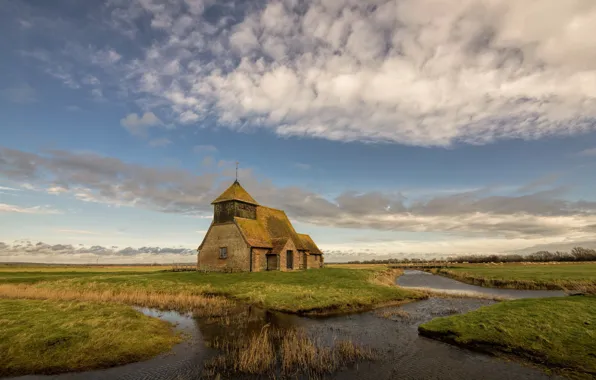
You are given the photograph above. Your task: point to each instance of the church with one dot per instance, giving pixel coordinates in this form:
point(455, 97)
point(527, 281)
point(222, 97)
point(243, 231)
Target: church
point(247, 237)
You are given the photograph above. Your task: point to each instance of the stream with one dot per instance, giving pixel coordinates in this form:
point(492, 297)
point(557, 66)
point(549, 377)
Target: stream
point(401, 352)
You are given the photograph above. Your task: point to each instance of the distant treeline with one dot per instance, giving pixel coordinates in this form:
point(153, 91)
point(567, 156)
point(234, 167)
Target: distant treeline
point(576, 254)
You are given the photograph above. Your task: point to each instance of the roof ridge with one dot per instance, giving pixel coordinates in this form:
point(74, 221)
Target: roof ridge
point(236, 192)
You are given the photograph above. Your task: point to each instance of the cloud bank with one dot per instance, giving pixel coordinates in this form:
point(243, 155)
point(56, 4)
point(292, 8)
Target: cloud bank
point(530, 213)
point(27, 251)
point(418, 72)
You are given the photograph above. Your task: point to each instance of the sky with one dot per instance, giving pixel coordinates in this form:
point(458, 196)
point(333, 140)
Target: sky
point(405, 128)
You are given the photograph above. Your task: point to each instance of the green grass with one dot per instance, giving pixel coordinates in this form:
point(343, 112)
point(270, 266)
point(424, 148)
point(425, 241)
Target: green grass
point(581, 276)
point(558, 332)
point(51, 337)
point(327, 289)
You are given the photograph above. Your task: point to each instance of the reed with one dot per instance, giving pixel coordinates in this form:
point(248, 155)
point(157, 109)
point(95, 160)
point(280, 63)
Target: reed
point(393, 313)
point(200, 304)
point(287, 352)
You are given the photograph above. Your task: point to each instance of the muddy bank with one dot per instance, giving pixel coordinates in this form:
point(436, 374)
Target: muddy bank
point(419, 279)
point(392, 333)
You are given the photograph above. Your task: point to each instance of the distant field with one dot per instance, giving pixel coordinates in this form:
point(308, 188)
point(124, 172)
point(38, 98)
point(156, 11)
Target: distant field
point(82, 268)
point(315, 291)
point(357, 266)
point(566, 276)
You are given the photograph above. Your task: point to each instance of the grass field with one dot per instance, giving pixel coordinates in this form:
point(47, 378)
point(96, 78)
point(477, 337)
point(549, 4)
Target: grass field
point(82, 268)
point(559, 332)
point(50, 337)
point(565, 276)
point(315, 291)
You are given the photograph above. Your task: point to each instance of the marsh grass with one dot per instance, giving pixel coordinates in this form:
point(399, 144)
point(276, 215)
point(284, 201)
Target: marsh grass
point(458, 294)
point(204, 305)
point(557, 332)
point(393, 313)
point(284, 353)
point(321, 291)
point(50, 337)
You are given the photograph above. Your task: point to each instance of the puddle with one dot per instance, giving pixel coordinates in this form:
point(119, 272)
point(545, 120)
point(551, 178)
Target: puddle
point(401, 352)
point(421, 279)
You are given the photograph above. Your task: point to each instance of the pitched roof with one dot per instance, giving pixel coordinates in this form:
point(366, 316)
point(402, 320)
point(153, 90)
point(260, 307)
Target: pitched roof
point(254, 233)
point(278, 245)
point(271, 229)
point(235, 192)
point(310, 244)
point(277, 224)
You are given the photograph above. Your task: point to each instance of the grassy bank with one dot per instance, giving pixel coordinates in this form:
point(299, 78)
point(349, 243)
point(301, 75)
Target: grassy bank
point(557, 332)
point(574, 277)
point(327, 290)
point(51, 337)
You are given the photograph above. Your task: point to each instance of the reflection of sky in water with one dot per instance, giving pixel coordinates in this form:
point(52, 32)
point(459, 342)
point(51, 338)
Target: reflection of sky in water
point(420, 279)
point(401, 352)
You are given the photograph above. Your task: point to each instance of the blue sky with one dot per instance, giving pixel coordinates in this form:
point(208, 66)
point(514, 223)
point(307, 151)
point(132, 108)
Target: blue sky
point(383, 128)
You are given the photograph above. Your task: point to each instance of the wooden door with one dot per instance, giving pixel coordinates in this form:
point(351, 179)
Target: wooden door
point(290, 260)
point(271, 262)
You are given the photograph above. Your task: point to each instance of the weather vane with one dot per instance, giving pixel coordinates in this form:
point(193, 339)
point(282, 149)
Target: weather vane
point(237, 170)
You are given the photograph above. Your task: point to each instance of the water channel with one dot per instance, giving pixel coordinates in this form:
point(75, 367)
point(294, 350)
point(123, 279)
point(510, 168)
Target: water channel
point(420, 279)
point(401, 352)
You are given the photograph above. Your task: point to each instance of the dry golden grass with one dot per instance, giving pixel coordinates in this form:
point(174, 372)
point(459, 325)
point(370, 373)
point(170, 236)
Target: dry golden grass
point(386, 277)
point(357, 266)
point(83, 268)
point(458, 294)
point(390, 314)
point(292, 351)
point(202, 304)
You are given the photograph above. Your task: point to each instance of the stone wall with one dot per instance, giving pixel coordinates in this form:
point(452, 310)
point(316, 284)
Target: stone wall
point(283, 256)
point(259, 259)
point(314, 261)
point(224, 235)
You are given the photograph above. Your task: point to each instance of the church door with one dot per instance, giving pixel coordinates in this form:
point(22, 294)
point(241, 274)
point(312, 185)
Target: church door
point(272, 262)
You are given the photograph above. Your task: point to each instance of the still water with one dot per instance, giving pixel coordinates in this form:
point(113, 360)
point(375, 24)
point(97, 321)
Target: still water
point(420, 279)
point(402, 353)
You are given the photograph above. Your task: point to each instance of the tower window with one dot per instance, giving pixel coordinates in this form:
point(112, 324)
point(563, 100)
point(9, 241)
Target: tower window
point(223, 252)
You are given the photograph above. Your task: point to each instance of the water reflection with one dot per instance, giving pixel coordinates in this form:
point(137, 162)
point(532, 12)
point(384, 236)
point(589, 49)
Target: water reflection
point(420, 279)
point(401, 352)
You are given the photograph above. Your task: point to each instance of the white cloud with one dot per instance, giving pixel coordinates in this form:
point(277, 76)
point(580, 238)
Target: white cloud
point(6, 208)
point(138, 125)
point(56, 190)
point(26, 251)
point(420, 72)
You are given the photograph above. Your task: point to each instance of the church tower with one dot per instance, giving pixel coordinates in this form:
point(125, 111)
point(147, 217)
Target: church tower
point(235, 201)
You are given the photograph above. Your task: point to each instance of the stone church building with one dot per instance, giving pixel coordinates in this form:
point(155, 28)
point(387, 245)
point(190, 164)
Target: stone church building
point(245, 236)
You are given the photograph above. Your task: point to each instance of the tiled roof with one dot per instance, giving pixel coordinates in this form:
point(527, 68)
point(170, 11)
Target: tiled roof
point(310, 244)
point(277, 224)
point(254, 233)
point(271, 229)
point(278, 245)
point(235, 192)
